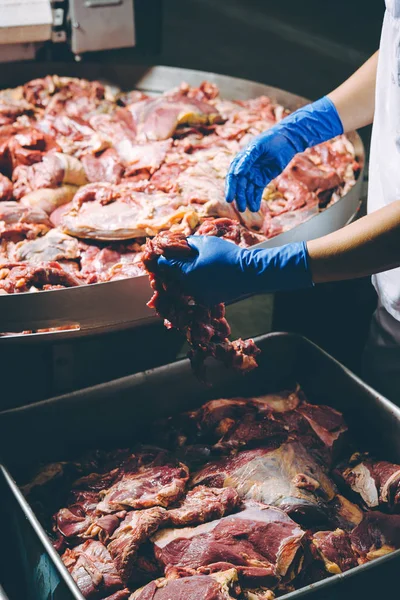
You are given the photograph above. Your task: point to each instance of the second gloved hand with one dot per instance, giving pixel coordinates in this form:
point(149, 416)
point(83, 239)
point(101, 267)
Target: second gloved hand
point(222, 272)
point(265, 157)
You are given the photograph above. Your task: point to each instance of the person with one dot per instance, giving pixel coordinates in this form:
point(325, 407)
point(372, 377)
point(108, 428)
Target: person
point(223, 272)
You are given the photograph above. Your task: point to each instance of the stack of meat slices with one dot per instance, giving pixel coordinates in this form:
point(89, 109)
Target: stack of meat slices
point(86, 174)
point(241, 503)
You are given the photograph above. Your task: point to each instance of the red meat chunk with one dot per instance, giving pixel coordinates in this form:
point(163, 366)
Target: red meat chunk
point(206, 328)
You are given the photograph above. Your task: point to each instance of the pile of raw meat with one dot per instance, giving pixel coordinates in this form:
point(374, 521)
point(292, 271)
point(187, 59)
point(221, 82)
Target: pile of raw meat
point(87, 173)
point(242, 498)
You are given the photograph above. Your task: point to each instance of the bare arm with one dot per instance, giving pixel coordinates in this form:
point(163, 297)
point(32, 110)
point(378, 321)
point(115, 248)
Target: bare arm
point(355, 98)
point(367, 246)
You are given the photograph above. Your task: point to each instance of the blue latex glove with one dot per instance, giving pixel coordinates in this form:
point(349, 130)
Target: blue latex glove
point(265, 157)
point(223, 272)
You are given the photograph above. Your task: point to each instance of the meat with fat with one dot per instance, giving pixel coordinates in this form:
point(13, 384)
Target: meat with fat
point(261, 542)
point(92, 569)
point(287, 477)
point(375, 482)
point(217, 586)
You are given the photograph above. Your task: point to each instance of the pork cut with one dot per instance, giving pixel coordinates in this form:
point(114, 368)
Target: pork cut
point(206, 328)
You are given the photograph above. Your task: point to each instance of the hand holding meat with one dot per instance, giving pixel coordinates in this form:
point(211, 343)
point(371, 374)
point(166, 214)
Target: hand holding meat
point(222, 272)
point(265, 157)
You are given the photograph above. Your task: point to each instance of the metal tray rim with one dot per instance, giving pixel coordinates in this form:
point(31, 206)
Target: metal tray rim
point(29, 514)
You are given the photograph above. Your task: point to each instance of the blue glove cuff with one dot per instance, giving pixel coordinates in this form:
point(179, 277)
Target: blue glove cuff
point(277, 269)
point(313, 124)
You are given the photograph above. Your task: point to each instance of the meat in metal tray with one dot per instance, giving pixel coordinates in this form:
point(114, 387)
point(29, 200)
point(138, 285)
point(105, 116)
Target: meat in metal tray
point(120, 304)
point(116, 413)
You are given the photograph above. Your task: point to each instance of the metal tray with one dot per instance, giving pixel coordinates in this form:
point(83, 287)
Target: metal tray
point(116, 413)
point(120, 304)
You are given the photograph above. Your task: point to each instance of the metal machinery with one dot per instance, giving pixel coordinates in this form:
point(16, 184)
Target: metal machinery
point(87, 26)
point(131, 337)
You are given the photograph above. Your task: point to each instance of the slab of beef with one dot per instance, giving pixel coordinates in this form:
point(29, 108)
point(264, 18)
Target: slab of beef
point(206, 328)
point(135, 529)
point(261, 542)
point(377, 534)
point(149, 486)
point(287, 477)
point(92, 569)
point(204, 504)
point(334, 548)
point(375, 482)
point(217, 586)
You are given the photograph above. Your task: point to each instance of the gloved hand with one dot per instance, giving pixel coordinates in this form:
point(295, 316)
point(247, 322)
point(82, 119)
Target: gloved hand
point(265, 157)
point(223, 272)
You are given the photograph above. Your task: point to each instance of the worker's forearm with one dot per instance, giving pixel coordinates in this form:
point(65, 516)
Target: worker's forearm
point(367, 246)
point(355, 98)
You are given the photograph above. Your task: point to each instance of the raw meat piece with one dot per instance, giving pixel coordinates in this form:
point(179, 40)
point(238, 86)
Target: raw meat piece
point(206, 328)
point(54, 170)
point(116, 128)
point(106, 212)
point(158, 118)
point(149, 486)
point(92, 569)
point(230, 230)
point(73, 135)
point(23, 146)
point(203, 504)
point(53, 246)
point(19, 222)
point(375, 483)
point(164, 179)
point(217, 586)
point(377, 534)
point(334, 548)
point(261, 542)
point(315, 178)
point(287, 477)
point(13, 105)
point(345, 514)
point(48, 199)
point(328, 424)
point(21, 277)
point(104, 167)
point(107, 264)
point(142, 158)
point(120, 595)
point(134, 530)
point(6, 188)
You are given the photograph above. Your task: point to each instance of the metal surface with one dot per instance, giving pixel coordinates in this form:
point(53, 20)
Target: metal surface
point(121, 304)
point(115, 415)
point(101, 25)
